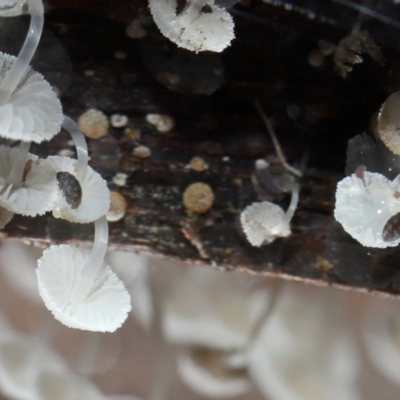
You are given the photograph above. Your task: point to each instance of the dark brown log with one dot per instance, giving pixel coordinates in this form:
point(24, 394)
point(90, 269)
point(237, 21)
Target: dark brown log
point(314, 111)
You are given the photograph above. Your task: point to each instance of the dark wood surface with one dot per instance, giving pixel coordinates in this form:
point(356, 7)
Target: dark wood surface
point(213, 106)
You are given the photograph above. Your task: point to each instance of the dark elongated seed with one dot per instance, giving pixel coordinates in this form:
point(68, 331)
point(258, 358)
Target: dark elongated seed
point(71, 188)
point(391, 230)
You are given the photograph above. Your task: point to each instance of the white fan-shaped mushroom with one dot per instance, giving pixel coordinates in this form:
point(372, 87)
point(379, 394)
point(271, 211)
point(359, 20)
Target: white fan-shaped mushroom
point(364, 205)
point(79, 291)
point(200, 26)
point(33, 111)
point(32, 195)
point(95, 200)
point(205, 372)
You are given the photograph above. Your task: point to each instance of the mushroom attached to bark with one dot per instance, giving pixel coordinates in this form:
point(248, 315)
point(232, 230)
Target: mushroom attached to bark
point(263, 222)
point(79, 290)
point(200, 26)
point(365, 202)
point(95, 196)
point(382, 340)
point(26, 188)
point(29, 108)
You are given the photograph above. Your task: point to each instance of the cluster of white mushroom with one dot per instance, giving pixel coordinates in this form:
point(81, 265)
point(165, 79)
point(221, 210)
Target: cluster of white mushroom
point(367, 202)
point(76, 287)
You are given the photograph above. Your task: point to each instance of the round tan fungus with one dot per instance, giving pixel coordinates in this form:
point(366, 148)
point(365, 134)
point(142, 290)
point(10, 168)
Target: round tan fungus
point(132, 133)
point(162, 122)
point(117, 207)
point(198, 164)
point(198, 198)
point(141, 152)
point(118, 120)
point(94, 124)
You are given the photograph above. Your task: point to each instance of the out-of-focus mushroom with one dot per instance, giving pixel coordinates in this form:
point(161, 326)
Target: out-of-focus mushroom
point(301, 353)
point(18, 264)
point(389, 122)
point(79, 290)
point(207, 373)
point(95, 200)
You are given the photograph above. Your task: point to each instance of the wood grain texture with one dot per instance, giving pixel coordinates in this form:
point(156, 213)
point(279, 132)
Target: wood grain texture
point(268, 62)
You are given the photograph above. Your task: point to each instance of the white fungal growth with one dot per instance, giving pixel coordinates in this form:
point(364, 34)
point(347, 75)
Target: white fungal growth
point(30, 195)
point(364, 205)
point(95, 200)
point(263, 222)
point(32, 112)
point(200, 26)
point(79, 289)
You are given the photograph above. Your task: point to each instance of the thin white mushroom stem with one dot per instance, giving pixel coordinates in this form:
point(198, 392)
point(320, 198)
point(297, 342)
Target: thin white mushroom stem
point(275, 142)
point(292, 206)
point(18, 69)
point(80, 143)
point(16, 174)
point(94, 264)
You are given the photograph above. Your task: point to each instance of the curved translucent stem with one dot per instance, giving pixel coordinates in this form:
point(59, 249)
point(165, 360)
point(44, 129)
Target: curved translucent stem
point(17, 171)
point(95, 262)
point(292, 206)
point(275, 142)
point(17, 71)
point(80, 143)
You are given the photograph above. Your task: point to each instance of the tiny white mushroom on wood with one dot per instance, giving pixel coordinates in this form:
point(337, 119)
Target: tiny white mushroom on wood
point(263, 222)
point(364, 204)
point(200, 26)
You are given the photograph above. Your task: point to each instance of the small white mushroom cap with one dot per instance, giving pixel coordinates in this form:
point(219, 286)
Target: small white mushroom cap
point(36, 194)
point(262, 223)
point(363, 206)
point(106, 306)
point(33, 112)
point(381, 334)
point(95, 193)
point(200, 26)
point(207, 375)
